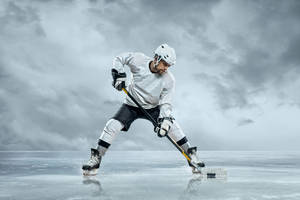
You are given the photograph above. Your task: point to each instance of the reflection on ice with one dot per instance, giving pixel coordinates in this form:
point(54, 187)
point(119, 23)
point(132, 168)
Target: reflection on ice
point(57, 175)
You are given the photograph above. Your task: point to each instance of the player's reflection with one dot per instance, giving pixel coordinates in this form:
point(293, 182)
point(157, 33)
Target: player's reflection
point(98, 191)
point(194, 190)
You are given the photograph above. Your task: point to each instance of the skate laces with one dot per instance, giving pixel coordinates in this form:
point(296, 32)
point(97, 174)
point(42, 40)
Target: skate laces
point(194, 158)
point(93, 160)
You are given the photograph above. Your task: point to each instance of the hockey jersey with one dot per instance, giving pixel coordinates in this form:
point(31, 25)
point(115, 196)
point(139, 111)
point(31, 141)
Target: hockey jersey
point(148, 88)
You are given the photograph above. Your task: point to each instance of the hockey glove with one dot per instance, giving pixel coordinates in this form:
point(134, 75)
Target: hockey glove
point(118, 79)
point(164, 125)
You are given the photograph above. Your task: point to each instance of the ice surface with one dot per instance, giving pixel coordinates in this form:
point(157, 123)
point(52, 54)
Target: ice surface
point(148, 175)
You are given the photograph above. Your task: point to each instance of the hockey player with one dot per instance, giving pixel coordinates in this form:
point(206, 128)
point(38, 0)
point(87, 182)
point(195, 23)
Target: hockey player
point(152, 85)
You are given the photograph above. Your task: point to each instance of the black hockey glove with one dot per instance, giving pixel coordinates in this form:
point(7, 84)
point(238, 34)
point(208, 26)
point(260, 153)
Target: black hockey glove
point(118, 79)
point(164, 125)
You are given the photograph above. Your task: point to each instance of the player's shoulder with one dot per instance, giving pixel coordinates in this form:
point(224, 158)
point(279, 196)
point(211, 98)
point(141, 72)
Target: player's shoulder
point(140, 60)
point(140, 56)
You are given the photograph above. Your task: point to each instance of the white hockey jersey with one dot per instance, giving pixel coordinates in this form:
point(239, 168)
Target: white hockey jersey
point(149, 89)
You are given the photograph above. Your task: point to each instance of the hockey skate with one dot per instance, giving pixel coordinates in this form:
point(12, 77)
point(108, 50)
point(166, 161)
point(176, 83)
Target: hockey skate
point(195, 163)
point(92, 166)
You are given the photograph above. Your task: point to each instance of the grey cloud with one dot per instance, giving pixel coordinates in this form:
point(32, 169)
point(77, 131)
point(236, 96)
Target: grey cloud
point(112, 103)
point(245, 121)
point(56, 94)
point(255, 69)
point(38, 116)
point(231, 97)
point(268, 49)
point(16, 14)
point(39, 106)
point(227, 95)
point(17, 18)
point(274, 28)
point(291, 55)
point(157, 21)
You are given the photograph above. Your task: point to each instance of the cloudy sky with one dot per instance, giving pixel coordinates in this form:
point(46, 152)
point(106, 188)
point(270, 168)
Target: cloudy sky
point(237, 72)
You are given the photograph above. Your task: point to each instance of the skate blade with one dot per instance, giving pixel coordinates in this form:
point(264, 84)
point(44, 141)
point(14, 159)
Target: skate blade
point(211, 173)
point(196, 171)
point(90, 172)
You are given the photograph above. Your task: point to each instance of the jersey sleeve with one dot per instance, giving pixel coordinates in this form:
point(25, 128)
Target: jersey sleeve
point(124, 59)
point(166, 96)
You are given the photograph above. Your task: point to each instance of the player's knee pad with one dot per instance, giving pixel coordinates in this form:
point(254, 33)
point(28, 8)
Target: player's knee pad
point(110, 130)
point(176, 132)
point(113, 126)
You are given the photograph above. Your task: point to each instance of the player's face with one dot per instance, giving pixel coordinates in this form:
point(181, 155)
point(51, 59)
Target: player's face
point(162, 67)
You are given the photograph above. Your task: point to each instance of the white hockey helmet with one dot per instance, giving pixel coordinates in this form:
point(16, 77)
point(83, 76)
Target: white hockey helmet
point(166, 53)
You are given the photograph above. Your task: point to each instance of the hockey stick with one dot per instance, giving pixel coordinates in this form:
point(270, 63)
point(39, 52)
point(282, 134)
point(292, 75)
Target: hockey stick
point(156, 124)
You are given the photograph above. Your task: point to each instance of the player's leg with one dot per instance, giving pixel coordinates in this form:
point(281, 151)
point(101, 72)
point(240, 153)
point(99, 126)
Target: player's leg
point(178, 135)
